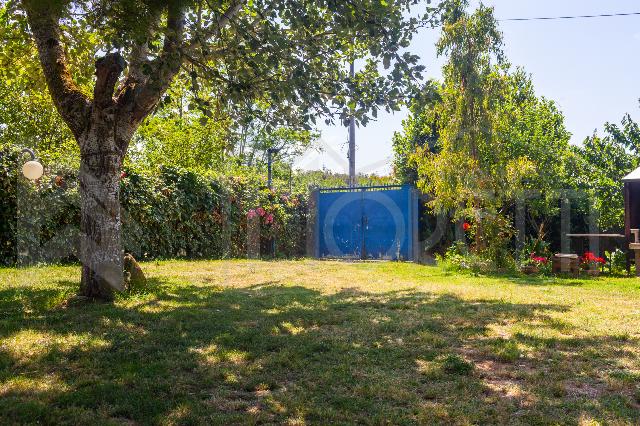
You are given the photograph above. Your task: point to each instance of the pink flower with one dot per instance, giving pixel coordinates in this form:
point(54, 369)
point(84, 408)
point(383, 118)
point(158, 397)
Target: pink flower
point(251, 214)
point(269, 219)
point(260, 211)
point(123, 175)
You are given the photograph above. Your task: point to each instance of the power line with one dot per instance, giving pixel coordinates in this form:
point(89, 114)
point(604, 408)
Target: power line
point(551, 18)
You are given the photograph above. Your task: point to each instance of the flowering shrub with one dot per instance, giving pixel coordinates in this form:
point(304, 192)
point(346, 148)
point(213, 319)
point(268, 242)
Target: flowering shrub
point(591, 261)
point(539, 260)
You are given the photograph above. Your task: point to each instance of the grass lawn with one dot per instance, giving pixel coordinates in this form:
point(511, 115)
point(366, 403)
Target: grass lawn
point(307, 342)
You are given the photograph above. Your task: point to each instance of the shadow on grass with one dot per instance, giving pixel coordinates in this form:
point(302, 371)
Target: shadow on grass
point(561, 280)
point(271, 353)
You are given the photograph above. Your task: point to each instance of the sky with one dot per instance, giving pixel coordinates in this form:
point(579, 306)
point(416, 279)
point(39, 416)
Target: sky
point(589, 67)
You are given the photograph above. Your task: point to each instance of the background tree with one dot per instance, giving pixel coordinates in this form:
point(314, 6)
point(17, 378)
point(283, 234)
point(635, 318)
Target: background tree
point(533, 128)
point(281, 59)
point(420, 129)
point(495, 138)
point(464, 177)
point(600, 163)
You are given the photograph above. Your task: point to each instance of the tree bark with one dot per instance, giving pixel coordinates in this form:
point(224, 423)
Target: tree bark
point(101, 249)
point(102, 147)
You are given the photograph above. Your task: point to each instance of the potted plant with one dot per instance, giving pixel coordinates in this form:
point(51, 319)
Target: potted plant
point(591, 264)
point(533, 264)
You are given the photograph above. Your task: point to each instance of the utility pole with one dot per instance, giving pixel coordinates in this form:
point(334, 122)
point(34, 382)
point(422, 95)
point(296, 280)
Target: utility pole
point(352, 139)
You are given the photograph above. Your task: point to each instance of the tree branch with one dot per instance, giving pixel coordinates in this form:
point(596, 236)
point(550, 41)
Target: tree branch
point(224, 19)
point(227, 15)
point(139, 56)
point(140, 97)
point(73, 105)
point(108, 70)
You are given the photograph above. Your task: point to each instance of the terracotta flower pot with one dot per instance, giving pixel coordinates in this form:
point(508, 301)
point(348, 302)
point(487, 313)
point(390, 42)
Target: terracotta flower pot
point(530, 269)
point(592, 272)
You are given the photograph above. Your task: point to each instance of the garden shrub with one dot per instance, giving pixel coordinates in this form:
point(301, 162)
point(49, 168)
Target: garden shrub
point(8, 206)
point(166, 213)
point(458, 258)
point(617, 261)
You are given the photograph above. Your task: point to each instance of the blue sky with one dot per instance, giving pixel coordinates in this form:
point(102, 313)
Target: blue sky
point(590, 67)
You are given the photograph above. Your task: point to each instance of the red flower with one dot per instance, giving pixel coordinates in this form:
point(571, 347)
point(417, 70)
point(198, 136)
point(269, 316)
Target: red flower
point(466, 226)
point(538, 259)
point(589, 257)
point(123, 175)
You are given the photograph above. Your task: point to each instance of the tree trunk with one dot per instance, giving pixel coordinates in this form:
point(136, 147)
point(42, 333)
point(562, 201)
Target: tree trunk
point(101, 249)
point(104, 125)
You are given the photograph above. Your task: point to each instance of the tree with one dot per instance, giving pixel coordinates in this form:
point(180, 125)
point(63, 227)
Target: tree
point(27, 114)
point(464, 177)
point(283, 60)
point(602, 162)
point(179, 133)
point(419, 130)
point(532, 127)
point(495, 138)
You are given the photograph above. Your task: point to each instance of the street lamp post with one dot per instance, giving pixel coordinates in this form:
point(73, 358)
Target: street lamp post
point(32, 169)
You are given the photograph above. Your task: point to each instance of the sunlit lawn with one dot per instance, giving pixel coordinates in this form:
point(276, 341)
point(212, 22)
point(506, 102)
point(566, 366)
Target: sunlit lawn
point(319, 342)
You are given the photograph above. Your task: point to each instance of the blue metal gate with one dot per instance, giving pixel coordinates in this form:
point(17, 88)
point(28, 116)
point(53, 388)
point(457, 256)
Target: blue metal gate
point(376, 222)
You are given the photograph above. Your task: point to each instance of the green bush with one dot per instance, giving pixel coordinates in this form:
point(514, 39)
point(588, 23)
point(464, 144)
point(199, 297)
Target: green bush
point(166, 213)
point(617, 261)
point(458, 257)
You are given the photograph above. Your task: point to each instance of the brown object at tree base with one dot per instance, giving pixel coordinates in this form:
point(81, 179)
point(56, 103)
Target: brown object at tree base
point(134, 277)
point(565, 263)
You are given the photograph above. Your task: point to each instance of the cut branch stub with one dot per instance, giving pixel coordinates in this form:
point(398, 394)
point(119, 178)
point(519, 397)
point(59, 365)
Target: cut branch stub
point(108, 70)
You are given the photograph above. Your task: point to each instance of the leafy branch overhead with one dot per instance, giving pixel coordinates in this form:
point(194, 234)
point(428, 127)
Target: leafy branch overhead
point(283, 58)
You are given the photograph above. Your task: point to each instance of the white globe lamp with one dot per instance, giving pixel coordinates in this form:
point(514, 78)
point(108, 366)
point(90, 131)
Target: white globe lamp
point(32, 170)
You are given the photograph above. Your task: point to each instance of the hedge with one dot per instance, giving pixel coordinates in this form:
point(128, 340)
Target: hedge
point(167, 213)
